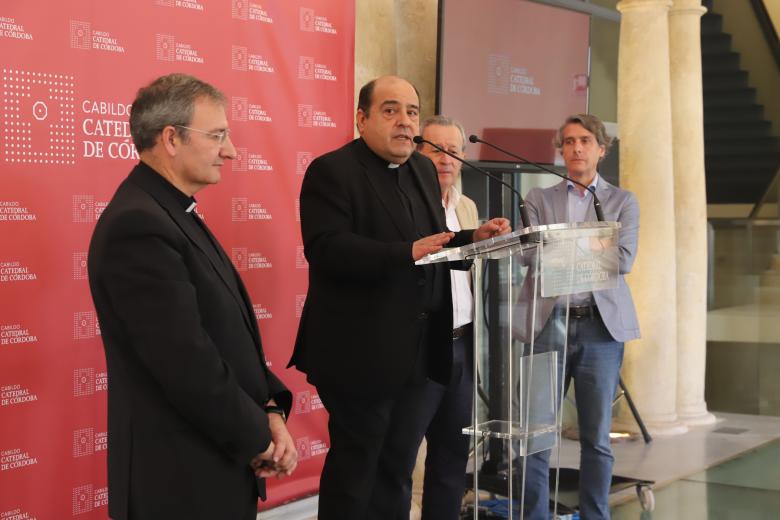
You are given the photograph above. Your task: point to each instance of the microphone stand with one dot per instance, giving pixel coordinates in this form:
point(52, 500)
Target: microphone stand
point(525, 221)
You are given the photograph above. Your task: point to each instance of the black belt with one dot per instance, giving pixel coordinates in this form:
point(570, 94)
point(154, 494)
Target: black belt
point(583, 311)
point(462, 331)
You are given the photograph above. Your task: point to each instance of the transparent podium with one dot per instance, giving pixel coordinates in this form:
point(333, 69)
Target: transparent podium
point(523, 284)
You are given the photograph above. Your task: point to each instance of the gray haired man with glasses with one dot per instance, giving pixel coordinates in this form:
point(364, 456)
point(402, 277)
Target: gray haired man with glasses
point(196, 420)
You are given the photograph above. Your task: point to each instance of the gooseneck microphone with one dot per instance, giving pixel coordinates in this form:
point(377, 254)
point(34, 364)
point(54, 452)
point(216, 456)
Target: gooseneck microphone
point(520, 202)
point(596, 204)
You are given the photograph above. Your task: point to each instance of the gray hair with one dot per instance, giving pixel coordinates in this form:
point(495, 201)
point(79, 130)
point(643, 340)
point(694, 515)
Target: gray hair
point(168, 100)
point(590, 123)
point(442, 121)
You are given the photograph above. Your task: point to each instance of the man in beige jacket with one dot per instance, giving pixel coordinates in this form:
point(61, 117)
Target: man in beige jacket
point(449, 405)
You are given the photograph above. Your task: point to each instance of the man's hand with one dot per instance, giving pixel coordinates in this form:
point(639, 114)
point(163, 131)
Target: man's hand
point(492, 228)
point(430, 244)
point(281, 457)
point(262, 464)
point(285, 456)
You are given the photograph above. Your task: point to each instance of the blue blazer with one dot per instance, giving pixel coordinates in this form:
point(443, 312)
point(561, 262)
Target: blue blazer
point(550, 206)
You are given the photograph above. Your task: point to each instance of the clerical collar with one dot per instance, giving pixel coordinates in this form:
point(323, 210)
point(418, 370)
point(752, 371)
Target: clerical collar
point(393, 166)
point(186, 202)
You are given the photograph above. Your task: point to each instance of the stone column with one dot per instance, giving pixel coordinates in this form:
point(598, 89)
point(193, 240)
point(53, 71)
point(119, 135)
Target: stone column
point(690, 206)
point(397, 37)
point(644, 117)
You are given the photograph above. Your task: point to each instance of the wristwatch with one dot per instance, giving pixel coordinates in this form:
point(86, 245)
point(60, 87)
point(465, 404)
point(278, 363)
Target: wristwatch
point(269, 408)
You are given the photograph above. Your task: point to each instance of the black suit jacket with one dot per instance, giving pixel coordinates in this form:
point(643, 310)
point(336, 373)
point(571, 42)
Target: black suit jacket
point(187, 377)
point(360, 325)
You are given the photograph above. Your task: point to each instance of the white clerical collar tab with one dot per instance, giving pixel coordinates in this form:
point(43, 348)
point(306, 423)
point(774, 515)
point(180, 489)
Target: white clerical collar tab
point(393, 165)
point(192, 207)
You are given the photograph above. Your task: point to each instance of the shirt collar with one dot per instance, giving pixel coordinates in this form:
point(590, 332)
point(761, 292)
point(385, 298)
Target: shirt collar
point(453, 196)
point(186, 202)
point(592, 186)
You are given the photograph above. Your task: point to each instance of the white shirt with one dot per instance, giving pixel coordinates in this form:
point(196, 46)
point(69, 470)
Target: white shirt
point(462, 299)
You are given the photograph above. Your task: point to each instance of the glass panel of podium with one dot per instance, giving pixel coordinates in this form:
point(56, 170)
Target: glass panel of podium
point(523, 283)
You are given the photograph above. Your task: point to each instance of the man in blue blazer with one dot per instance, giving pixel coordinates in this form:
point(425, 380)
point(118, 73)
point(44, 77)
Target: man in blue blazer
point(599, 322)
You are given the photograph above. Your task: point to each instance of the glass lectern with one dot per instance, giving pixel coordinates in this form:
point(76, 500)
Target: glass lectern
point(522, 285)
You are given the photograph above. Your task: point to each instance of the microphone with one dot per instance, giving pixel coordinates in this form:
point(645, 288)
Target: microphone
point(520, 202)
point(596, 204)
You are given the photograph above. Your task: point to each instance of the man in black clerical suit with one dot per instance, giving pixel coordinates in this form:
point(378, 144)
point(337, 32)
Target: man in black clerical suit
point(375, 326)
point(195, 418)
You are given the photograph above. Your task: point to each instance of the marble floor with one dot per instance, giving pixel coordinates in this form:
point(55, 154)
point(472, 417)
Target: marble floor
point(727, 470)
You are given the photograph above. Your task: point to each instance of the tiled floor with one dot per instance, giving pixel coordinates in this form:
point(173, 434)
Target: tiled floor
point(728, 470)
point(744, 488)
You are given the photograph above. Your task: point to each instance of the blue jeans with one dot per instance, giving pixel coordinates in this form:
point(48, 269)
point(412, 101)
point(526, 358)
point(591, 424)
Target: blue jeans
point(593, 360)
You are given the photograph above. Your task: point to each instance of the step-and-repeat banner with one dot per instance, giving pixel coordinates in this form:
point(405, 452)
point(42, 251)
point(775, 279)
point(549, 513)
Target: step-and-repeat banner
point(70, 70)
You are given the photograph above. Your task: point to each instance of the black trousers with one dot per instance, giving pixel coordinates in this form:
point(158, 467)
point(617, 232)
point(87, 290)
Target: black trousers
point(374, 444)
point(448, 448)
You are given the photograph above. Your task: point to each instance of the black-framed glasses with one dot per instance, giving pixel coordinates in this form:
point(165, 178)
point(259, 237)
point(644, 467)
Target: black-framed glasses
point(220, 137)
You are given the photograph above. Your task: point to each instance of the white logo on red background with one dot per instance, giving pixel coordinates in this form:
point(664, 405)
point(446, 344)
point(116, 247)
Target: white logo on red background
point(580, 83)
point(40, 123)
point(308, 69)
point(303, 402)
point(309, 21)
point(297, 210)
point(239, 209)
point(15, 211)
point(300, 300)
point(83, 37)
point(83, 208)
point(240, 256)
point(17, 514)
point(242, 60)
point(14, 271)
point(184, 4)
point(83, 382)
point(80, 35)
point(15, 459)
point(306, 18)
point(83, 442)
point(243, 210)
point(305, 115)
point(85, 325)
point(308, 117)
point(165, 47)
point(305, 67)
point(303, 446)
point(262, 313)
point(239, 162)
point(498, 73)
point(238, 58)
point(302, 161)
point(83, 499)
point(15, 334)
point(80, 266)
point(10, 29)
point(239, 9)
point(245, 260)
point(238, 106)
point(300, 258)
point(11, 395)
point(243, 110)
point(245, 161)
point(245, 10)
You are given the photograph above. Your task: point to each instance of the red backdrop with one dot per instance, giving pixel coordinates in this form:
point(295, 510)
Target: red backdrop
point(70, 71)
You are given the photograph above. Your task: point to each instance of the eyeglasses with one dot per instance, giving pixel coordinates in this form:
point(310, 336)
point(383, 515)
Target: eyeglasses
point(220, 137)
